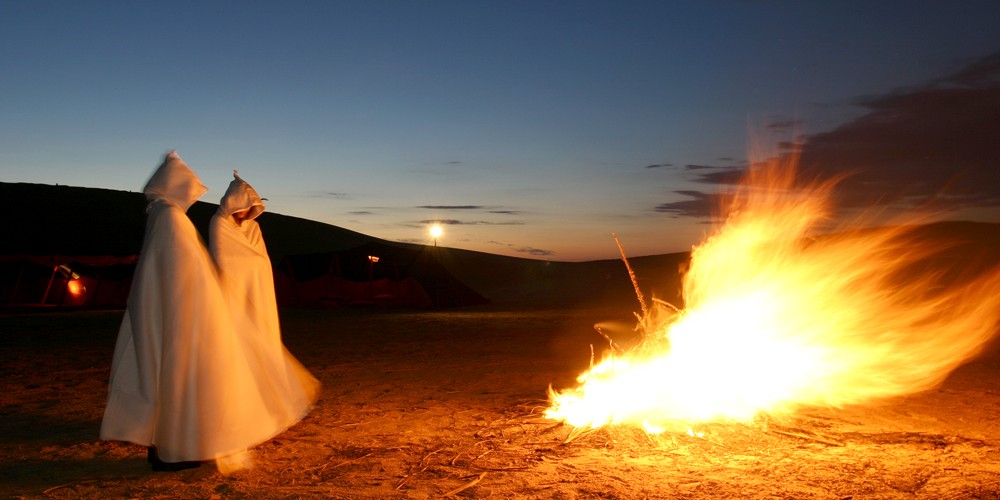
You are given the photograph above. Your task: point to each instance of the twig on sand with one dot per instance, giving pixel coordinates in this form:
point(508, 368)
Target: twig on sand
point(345, 462)
point(304, 440)
point(453, 460)
point(808, 436)
point(407, 477)
point(535, 408)
point(542, 421)
point(466, 485)
point(578, 432)
point(499, 469)
point(429, 455)
point(54, 488)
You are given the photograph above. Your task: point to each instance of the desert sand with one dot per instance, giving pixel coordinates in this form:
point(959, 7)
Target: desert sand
point(435, 403)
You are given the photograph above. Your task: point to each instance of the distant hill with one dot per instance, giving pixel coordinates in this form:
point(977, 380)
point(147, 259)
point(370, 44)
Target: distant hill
point(89, 221)
point(44, 219)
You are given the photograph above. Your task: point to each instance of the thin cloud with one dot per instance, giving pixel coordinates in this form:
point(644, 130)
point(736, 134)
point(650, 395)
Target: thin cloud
point(935, 142)
point(446, 222)
point(456, 222)
point(452, 207)
point(979, 72)
point(783, 125)
point(719, 175)
point(700, 204)
point(660, 165)
point(491, 210)
point(537, 252)
point(330, 194)
point(361, 212)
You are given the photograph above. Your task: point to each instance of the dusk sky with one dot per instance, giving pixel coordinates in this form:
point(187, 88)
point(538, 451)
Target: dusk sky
point(533, 129)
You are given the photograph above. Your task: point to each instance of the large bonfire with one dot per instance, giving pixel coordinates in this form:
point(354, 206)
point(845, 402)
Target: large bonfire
point(785, 309)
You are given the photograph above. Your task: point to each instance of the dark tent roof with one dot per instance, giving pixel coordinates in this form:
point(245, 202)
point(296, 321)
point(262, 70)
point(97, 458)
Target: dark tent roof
point(376, 261)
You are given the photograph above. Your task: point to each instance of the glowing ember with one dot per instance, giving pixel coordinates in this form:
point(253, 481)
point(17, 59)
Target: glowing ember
point(777, 319)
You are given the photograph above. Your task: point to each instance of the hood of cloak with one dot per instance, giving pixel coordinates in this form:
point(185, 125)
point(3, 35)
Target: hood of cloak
point(241, 196)
point(175, 183)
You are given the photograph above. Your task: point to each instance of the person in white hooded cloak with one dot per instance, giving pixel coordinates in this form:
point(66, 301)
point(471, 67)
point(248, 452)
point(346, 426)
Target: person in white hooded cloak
point(181, 383)
point(237, 245)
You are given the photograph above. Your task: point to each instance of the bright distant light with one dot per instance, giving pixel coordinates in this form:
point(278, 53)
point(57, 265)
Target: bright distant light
point(435, 232)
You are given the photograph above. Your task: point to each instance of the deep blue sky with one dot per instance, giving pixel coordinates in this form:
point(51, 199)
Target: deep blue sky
point(532, 129)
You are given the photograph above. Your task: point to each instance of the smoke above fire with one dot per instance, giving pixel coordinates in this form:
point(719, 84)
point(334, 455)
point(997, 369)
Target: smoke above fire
point(787, 308)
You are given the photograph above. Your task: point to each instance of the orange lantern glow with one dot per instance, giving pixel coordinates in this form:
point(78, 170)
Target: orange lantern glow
point(76, 288)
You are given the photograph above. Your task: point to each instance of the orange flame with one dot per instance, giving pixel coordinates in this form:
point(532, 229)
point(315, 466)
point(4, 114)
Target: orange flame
point(75, 287)
point(777, 319)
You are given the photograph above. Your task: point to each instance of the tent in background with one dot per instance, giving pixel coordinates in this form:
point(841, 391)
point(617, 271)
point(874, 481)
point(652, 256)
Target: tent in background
point(77, 246)
point(42, 280)
point(372, 274)
point(68, 246)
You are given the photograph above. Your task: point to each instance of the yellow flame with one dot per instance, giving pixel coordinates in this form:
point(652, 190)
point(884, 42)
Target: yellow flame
point(777, 319)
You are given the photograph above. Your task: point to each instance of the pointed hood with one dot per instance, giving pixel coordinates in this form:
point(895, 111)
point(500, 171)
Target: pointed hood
point(175, 183)
point(241, 196)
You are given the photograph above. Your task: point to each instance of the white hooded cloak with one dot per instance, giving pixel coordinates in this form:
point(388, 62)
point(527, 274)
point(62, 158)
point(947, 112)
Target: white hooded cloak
point(180, 379)
point(248, 284)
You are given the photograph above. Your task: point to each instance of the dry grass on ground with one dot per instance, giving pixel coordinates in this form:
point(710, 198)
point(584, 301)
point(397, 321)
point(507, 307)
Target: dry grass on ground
point(447, 403)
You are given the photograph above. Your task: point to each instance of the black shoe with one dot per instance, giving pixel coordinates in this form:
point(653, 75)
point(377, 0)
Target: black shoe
point(161, 466)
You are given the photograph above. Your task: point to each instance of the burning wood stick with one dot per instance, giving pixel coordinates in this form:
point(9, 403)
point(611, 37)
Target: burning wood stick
point(614, 347)
point(631, 275)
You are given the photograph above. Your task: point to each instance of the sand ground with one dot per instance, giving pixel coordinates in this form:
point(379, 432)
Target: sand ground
point(448, 403)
